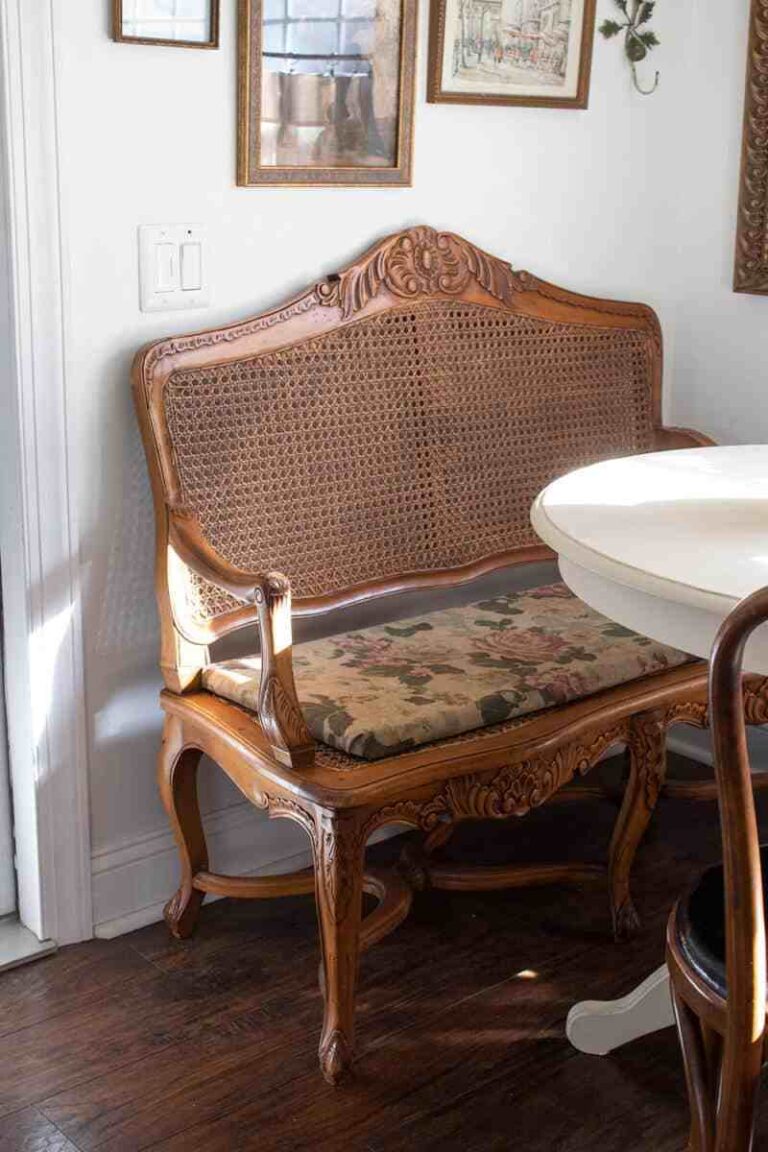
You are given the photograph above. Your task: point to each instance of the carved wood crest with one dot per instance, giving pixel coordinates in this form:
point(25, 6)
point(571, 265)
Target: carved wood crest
point(419, 262)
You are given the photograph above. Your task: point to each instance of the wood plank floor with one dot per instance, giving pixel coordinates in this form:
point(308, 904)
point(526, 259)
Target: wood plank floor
point(210, 1046)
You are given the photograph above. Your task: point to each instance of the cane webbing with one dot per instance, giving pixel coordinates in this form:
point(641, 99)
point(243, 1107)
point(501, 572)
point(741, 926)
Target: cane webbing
point(408, 441)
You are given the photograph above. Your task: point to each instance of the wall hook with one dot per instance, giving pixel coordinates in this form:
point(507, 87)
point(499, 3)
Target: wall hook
point(640, 89)
point(639, 40)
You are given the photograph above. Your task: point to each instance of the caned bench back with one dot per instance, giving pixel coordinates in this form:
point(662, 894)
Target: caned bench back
point(398, 418)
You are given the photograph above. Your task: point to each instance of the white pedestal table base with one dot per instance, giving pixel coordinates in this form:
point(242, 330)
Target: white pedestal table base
point(600, 1026)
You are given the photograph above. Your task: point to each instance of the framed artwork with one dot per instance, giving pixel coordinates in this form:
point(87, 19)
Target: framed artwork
point(534, 52)
point(326, 92)
point(751, 267)
point(174, 23)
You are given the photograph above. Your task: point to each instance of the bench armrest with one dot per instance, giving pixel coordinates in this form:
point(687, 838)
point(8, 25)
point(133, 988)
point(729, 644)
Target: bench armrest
point(279, 711)
point(669, 438)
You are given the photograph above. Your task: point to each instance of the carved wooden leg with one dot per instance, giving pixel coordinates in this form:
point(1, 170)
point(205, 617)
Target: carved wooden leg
point(647, 768)
point(339, 854)
point(414, 861)
point(614, 789)
point(177, 778)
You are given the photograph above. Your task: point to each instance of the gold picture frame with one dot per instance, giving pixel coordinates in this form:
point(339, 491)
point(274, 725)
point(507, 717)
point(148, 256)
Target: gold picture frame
point(751, 264)
point(541, 58)
point(335, 105)
point(122, 20)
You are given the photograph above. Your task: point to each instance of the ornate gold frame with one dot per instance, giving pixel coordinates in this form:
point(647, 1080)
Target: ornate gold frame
point(251, 174)
point(436, 94)
point(117, 34)
point(751, 266)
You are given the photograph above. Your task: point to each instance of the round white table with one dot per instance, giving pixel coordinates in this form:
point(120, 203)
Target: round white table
point(666, 544)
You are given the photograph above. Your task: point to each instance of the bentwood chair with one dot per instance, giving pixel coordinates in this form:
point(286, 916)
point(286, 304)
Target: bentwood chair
point(716, 935)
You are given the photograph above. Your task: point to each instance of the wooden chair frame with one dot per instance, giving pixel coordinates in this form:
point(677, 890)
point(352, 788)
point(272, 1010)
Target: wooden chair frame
point(493, 773)
point(723, 1038)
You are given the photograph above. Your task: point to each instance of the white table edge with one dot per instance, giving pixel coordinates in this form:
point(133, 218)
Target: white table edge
point(629, 576)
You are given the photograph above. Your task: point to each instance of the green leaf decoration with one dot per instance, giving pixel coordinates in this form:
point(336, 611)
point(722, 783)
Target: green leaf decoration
point(636, 50)
point(610, 28)
point(638, 41)
point(650, 39)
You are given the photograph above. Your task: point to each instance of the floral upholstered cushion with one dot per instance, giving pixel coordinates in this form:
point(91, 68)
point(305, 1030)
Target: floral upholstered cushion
point(387, 689)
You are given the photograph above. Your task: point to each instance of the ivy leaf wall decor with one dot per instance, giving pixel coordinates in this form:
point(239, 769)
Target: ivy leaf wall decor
point(639, 39)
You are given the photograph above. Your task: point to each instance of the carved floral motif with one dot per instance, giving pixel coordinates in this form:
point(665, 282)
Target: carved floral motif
point(280, 716)
point(647, 742)
point(510, 791)
point(339, 857)
point(225, 335)
point(756, 701)
point(687, 712)
point(416, 263)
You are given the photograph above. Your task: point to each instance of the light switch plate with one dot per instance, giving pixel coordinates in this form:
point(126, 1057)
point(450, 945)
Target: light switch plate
point(162, 286)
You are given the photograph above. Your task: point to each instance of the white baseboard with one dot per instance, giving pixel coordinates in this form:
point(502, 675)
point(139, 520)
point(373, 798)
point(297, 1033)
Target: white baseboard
point(133, 881)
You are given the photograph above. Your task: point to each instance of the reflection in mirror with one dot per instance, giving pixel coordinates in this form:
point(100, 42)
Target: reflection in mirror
point(330, 83)
point(190, 22)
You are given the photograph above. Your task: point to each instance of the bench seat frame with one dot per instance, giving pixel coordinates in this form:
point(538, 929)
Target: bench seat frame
point(493, 773)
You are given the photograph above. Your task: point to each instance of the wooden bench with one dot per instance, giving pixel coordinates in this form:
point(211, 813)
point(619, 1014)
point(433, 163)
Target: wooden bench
point(383, 433)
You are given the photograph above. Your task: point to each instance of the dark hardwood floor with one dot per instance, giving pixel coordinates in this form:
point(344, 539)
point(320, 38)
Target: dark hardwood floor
point(210, 1045)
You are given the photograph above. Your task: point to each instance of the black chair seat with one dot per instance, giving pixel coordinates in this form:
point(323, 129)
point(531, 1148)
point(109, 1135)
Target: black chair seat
point(701, 924)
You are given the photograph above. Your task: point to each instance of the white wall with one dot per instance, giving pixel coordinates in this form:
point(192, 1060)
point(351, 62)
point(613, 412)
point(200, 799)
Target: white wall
point(634, 198)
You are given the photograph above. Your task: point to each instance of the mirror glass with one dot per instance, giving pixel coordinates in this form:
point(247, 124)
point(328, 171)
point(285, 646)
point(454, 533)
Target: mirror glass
point(330, 82)
point(181, 21)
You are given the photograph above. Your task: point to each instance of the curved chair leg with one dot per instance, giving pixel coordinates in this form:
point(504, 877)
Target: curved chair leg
point(647, 768)
point(414, 862)
point(339, 854)
point(700, 1097)
point(177, 778)
point(614, 790)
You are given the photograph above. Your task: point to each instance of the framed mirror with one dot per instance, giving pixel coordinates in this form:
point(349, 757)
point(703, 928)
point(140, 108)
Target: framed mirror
point(326, 91)
point(178, 23)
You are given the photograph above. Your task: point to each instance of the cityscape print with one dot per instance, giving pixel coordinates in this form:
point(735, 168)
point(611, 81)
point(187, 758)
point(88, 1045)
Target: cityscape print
point(511, 42)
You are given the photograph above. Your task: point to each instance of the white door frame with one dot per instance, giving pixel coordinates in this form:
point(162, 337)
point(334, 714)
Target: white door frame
point(7, 871)
point(38, 532)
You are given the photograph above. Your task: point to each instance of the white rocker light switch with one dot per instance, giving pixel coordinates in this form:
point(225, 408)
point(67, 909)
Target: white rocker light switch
point(172, 267)
point(191, 266)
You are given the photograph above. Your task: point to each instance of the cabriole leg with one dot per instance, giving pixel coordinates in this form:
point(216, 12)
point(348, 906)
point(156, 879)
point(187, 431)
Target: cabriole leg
point(177, 778)
point(339, 853)
point(647, 768)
